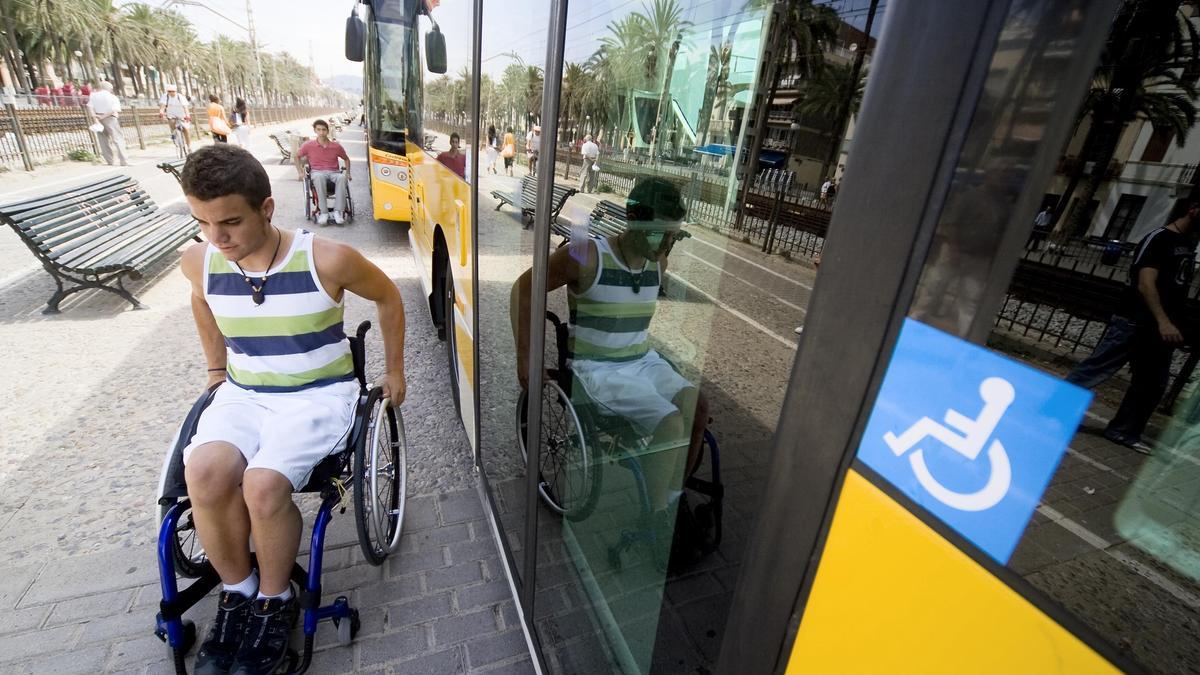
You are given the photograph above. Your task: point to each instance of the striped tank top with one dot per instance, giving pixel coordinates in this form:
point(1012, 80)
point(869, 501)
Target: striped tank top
point(609, 321)
point(295, 339)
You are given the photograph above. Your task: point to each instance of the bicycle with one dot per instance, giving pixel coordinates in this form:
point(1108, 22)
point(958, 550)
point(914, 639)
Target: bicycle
point(178, 129)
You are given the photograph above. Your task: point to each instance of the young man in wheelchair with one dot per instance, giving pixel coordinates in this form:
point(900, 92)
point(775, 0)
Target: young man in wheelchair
point(613, 286)
point(268, 306)
point(321, 155)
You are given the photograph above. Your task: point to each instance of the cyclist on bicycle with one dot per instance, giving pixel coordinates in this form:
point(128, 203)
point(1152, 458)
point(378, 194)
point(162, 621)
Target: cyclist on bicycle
point(173, 107)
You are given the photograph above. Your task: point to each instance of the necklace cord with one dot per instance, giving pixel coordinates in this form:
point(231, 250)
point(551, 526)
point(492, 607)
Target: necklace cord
point(257, 295)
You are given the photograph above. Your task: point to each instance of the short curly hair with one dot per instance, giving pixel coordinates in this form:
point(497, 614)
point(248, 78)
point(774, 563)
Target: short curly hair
point(221, 169)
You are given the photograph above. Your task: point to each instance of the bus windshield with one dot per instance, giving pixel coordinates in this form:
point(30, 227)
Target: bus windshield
point(392, 74)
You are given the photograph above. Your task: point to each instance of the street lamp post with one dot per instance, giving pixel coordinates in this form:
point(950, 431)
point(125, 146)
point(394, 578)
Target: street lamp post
point(249, 29)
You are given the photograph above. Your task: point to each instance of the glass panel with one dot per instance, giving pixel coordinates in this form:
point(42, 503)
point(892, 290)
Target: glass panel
point(1115, 538)
point(669, 315)
point(514, 39)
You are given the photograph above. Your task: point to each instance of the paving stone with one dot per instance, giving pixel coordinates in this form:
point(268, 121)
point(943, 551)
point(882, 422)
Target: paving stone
point(488, 593)
point(458, 575)
point(487, 650)
point(455, 629)
point(508, 612)
point(14, 581)
point(83, 661)
point(692, 587)
point(435, 538)
point(437, 663)
point(392, 646)
point(92, 573)
point(21, 620)
point(349, 578)
point(459, 507)
point(392, 590)
point(17, 647)
point(417, 561)
point(478, 549)
point(91, 607)
point(333, 661)
point(420, 610)
point(139, 651)
point(106, 629)
point(420, 513)
point(520, 667)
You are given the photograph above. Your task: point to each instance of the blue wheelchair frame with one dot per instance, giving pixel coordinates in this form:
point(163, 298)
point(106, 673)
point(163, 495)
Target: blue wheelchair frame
point(180, 635)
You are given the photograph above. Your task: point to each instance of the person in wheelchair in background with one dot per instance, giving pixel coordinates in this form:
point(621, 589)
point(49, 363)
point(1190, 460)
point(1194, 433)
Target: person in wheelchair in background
point(613, 288)
point(321, 155)
point(268, 306)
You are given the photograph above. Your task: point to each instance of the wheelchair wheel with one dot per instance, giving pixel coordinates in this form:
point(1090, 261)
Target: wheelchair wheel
point(308, 205)
point(568, 478)
point(190, 559)
point(380, 478)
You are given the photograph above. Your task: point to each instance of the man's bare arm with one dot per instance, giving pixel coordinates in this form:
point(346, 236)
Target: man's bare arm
point(211, 339)
point(350, 270)
point(563, 269)
point(1148, 287)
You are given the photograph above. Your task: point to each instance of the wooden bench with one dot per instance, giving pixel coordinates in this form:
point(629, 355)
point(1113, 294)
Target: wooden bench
point(559, 197)
point(94, 235)
point(285, 154)
point(606, 220)
point(174, 167)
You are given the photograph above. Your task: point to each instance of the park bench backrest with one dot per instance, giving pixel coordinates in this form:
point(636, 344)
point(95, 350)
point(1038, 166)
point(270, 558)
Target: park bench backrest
point(56, 224)
point(608, 219)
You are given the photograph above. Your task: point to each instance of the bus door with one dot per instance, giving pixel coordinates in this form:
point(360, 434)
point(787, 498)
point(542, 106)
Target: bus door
point(967, 477)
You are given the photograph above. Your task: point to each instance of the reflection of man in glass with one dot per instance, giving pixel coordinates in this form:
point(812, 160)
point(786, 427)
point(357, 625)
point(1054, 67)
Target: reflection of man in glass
point(612, 285)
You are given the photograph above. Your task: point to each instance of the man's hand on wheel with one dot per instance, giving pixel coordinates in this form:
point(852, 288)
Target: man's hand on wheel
point(394, 388)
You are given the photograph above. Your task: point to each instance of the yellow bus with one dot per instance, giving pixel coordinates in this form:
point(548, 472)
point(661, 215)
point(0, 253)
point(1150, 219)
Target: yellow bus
point(898, 468)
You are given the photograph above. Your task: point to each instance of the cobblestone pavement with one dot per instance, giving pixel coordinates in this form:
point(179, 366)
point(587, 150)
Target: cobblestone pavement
point(100, 389)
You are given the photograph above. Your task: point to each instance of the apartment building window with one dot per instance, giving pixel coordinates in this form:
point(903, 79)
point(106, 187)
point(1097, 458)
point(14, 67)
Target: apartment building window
point(1156, 148)
point(1124, 217)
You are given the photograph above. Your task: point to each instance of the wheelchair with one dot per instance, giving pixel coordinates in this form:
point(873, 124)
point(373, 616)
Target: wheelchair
point(372, 467)
point(570, 471)
point(311, 210)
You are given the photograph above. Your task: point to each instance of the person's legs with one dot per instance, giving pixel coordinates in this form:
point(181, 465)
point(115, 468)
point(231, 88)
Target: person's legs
point(1113, 351)
point(187, 141)
point(105, 145)
point(116, 139)
point(320, 181)
point(275, 524)
point(339, 191)
point(214, 477)
point(1151, 366)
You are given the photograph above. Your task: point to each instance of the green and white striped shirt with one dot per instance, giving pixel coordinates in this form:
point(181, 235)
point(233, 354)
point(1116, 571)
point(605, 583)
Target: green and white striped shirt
point(295, 339)
point(609, 321)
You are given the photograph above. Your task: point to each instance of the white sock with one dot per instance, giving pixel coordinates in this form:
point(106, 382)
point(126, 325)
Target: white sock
point(248, 586)
point(285, 595)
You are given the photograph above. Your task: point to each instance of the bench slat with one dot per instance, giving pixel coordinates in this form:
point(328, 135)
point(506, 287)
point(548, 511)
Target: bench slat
point(172, 238)
point(104, 185)
point(38, 223)
point(64, 235)
point(99, 252)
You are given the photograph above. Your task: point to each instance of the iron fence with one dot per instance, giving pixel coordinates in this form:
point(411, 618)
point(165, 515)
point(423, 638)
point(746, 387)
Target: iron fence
point(33, 136)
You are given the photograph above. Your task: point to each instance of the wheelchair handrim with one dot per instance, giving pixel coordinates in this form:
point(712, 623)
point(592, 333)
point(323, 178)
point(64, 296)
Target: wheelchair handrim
point(386, 518)
point(550, 497)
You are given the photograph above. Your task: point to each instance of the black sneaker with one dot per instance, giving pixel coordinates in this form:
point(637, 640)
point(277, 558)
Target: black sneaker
point(225, 636)
point(265, 644)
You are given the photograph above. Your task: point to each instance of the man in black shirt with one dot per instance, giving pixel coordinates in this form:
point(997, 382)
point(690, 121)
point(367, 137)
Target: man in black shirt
point(1145, 329)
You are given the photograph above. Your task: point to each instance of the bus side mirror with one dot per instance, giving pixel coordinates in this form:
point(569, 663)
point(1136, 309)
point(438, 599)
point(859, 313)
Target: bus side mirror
point(435, 51)
point(355, 38)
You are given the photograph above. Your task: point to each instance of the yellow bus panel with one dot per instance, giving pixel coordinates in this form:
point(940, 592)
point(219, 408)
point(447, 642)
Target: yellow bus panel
point(390, 183)
point(892, 596)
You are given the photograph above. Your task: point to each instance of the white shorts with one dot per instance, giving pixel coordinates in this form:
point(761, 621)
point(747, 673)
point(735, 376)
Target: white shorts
point(639, 391)
point(288, 432)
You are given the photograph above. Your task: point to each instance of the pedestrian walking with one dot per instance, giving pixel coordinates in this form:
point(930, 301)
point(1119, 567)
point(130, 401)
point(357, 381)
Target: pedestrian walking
point(106, 109)
point(1041, 227)
point(589, 174)
point(1146, 328)
point(509, 151)
point(533, 145)
point(492, 150)
point(218, 122)
point(825, 190)
point(241, 123)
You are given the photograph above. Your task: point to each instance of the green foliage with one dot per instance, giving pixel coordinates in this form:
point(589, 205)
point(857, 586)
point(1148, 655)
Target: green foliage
point(81, 155)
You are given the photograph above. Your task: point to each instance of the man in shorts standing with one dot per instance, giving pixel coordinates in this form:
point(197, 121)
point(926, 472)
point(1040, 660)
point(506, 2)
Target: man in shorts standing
point(268, 306)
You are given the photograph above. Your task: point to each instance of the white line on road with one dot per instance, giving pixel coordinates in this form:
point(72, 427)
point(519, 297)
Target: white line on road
point(1103, 545)
point(788, 343)
point(748, 261)
point(748, 283)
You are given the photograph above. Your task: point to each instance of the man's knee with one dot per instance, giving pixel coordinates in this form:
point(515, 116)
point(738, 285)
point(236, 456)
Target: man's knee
point(267, 492)
point(213, 473)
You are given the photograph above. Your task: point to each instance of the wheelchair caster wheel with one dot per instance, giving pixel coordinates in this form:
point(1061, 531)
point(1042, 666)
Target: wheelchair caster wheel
point(347, 628)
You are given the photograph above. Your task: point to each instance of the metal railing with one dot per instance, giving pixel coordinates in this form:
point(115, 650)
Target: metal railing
point(33, 136)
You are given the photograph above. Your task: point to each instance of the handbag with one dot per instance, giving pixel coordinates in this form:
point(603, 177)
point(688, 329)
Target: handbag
point(508, 150)
point(218, 126)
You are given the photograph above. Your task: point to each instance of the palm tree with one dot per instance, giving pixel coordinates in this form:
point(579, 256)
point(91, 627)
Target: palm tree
point(1151, 40)
point(826, 95)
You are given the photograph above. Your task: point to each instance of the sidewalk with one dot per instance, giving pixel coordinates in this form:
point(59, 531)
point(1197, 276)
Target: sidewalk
point(100, 391)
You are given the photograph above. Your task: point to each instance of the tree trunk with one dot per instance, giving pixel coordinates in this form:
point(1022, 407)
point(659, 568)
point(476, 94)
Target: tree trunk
point(10, 30)
point(842, 120)
point(89, 61)
point(665, 96)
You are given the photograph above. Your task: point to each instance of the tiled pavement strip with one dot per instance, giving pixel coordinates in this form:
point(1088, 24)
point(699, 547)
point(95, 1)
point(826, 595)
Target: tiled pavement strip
point(83, 600)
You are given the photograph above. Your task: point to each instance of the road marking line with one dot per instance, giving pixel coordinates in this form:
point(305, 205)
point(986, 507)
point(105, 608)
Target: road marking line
point(1103, 545)
point(748, 283)
point(748, 261)
point(1096, 463)
point(788, 343)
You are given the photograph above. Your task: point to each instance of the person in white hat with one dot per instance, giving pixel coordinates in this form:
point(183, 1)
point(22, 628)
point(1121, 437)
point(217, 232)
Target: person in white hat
point(105, 108)
point(589, 174)
point(173, 107)
point(533, 144)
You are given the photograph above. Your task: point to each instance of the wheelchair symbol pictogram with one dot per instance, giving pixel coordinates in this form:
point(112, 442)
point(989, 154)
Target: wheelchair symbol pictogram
point(967, 437)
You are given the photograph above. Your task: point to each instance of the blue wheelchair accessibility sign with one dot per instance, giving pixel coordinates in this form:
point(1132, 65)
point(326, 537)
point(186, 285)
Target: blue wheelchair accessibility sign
point(971, 436)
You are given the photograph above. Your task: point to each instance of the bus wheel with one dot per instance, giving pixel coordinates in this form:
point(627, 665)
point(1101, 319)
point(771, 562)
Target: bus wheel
point(451, 335)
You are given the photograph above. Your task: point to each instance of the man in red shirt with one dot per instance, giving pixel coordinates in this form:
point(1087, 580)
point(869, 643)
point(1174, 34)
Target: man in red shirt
point(322, 156)
point(454, 158)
